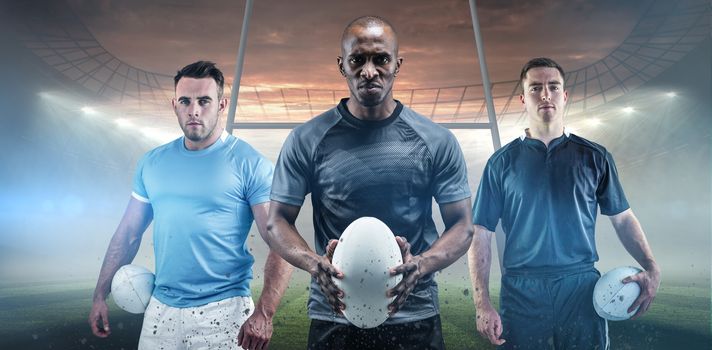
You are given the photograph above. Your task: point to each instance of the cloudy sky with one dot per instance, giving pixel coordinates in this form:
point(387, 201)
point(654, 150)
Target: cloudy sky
point(295, 43)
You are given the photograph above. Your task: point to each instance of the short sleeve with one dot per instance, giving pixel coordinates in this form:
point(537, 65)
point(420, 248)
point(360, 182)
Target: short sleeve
point(487, 209)
point(258, 187)
point(139, 189)
point(450, 180)
point(609, 193)
point(292, 174)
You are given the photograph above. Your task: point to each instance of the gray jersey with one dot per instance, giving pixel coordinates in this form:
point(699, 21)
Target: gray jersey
point(388, 169)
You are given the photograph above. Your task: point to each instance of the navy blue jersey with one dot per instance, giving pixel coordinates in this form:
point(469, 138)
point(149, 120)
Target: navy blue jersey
point(547, 199)
point(389, 169)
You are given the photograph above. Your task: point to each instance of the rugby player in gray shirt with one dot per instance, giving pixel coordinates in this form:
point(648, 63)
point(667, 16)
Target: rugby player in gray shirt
point(372, 156)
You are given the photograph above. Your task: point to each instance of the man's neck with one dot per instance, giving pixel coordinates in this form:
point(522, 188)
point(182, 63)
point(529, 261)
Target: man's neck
point(545, 132)
point(371, 113)
point(197, 146)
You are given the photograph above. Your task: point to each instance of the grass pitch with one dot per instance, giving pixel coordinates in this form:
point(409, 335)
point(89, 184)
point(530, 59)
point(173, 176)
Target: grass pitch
point(53, 316)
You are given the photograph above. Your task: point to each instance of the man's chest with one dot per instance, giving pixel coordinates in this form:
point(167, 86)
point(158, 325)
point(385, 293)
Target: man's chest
point(568, 173)
point(360, 165)
point(207, 181)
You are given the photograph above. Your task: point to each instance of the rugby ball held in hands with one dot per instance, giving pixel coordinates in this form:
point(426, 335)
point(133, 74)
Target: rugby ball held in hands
point(132, 287)
point(612, 297)
point(366, 252)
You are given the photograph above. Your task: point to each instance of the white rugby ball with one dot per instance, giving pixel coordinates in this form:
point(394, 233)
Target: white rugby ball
point(132, 287)
point(612, 298)
point(367, 250)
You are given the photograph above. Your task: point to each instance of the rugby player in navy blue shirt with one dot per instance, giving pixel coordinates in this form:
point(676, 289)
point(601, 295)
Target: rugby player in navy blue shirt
point(546, 187)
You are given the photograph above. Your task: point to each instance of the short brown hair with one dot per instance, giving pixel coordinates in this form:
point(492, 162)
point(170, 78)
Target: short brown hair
point(201, 69)
point(540, 62)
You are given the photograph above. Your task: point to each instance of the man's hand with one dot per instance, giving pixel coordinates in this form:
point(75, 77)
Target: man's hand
point(649, 281)
point(256, 332)
point(99, 319)
point(323, 272)
point(489, 324)
point(410, 269)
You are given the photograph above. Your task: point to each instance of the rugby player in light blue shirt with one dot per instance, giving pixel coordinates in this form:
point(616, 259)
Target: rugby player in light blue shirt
point(202, 191)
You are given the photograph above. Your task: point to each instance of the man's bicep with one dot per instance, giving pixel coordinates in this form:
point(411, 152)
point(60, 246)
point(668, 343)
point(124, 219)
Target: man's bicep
point(139, 188)
point(292, 173)
point(450, 182)
point(261, 213)
point(483, 231)
point(609, 194)
point(137, 217)
point(488, 202)
point(619, 219)
point(279, 211)
point(260, 183)
point(455, 212)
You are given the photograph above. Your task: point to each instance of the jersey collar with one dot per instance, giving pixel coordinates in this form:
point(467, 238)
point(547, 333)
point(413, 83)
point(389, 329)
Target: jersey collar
point(367, 124)
point(524, 134)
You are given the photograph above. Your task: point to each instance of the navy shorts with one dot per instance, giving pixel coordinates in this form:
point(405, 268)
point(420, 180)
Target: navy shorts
point(423, 334)
point(551, 310)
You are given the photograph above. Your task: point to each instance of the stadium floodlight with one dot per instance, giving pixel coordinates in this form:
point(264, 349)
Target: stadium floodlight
point(158, 134)
point(628, 110)
point(123, 122)
point(88, 110)
point(593, 122)
point(671, 94)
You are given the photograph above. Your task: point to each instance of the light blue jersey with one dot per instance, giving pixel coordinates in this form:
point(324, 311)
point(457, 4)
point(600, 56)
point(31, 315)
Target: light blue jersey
point(202, 214)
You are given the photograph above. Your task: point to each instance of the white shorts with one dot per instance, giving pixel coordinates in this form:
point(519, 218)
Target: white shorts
point(210, 326)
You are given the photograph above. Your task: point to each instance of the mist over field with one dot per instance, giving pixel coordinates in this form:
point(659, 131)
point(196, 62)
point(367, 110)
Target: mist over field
point(68, 177)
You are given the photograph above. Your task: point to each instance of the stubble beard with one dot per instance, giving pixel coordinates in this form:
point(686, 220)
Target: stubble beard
point(195, 135)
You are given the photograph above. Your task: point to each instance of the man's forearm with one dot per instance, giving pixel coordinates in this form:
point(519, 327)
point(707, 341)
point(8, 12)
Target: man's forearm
point(284, 239)
point(479, 259)
point(124, 244)
point(633, 239)
point(447, 249)
point(122, 250)
point(277, 273)
point(454, 242)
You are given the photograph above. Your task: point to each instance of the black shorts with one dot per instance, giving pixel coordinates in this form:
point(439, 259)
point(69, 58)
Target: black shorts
point(423, 334)
point(551, 311)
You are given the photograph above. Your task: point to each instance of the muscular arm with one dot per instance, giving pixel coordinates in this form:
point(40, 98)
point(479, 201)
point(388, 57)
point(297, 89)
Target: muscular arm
point(122, 250)
point(257, 330)
point(124, 244)
point(277, 271)
point(283, 238)
point(633, 238)
point(479, 259)
point(451, 245)
point(454, 242)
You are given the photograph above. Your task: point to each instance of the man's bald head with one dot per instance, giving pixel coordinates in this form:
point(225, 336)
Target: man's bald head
point(373, 25)
point(369, 61)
